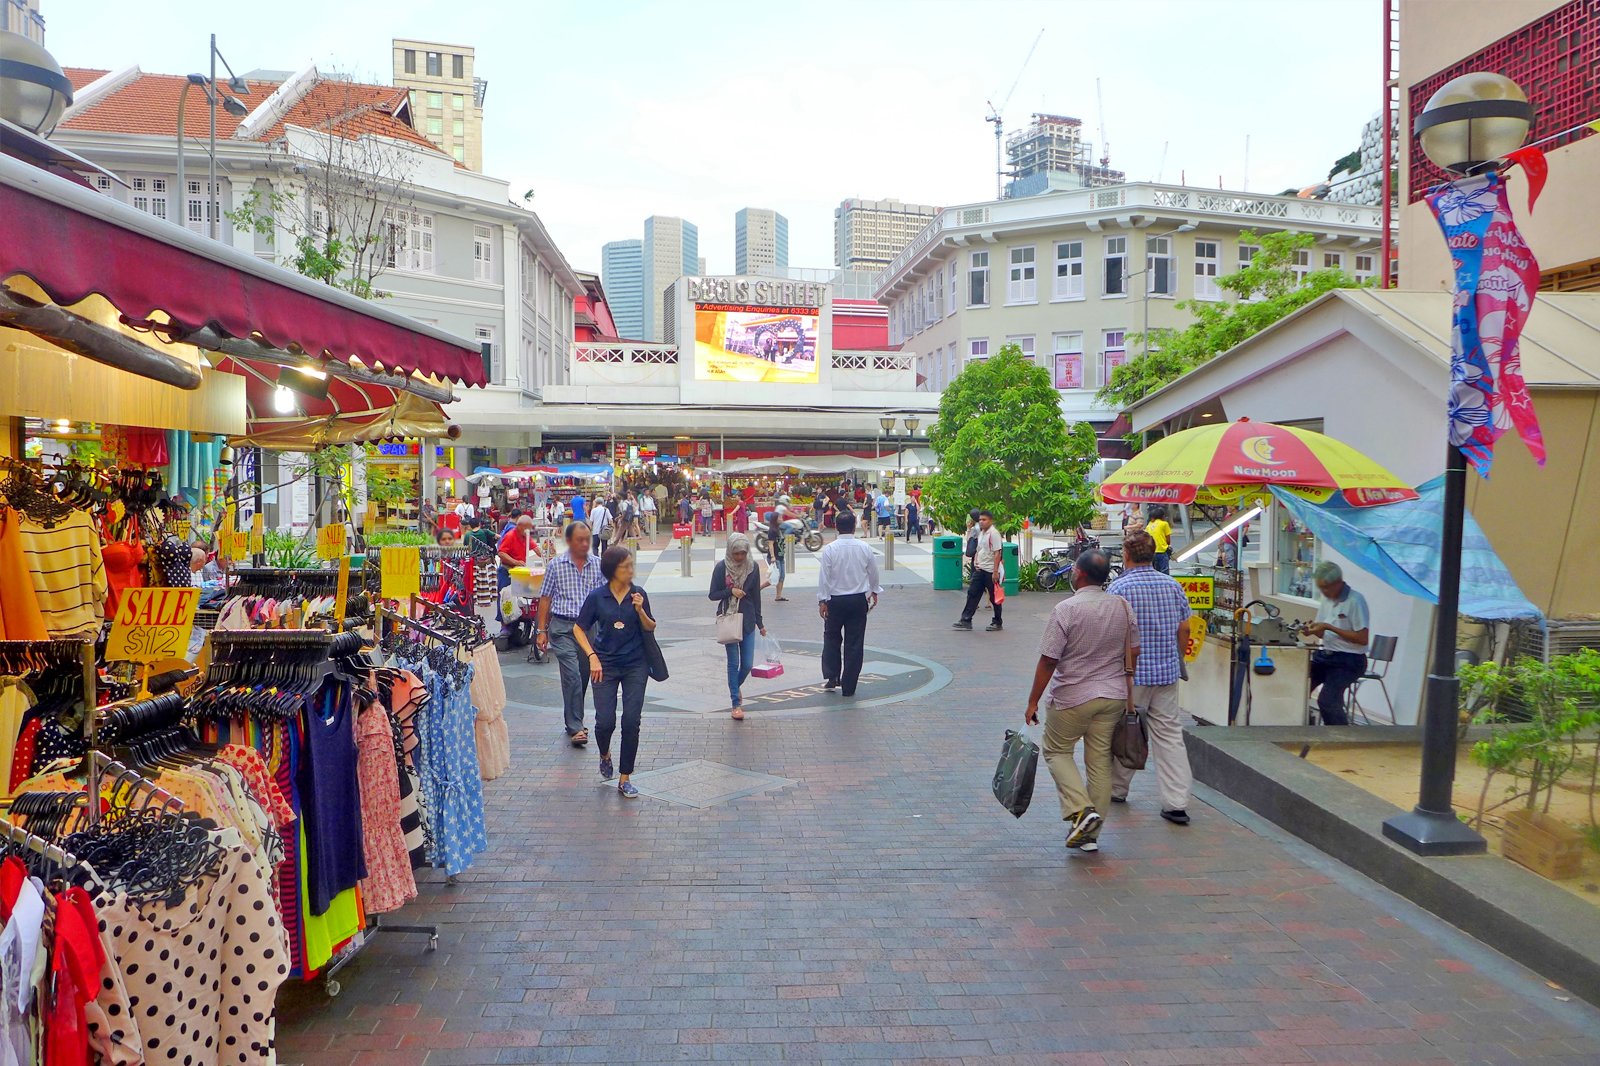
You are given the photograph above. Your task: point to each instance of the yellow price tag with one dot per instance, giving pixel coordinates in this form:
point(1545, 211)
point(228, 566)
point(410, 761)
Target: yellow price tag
point(258, 535)
point(185, 530)
point(400, 570)
point(151, 624)
point(238, 545)
point(341, 596)
point(330, 541)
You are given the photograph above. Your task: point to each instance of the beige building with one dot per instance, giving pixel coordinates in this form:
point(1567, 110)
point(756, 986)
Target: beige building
point(1549, 47)
point(867, 234)
point(22, 17)
point(446, 96)
point(1073, 276)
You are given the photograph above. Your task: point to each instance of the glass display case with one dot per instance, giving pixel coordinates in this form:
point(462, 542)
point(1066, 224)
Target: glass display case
point(1294, 554)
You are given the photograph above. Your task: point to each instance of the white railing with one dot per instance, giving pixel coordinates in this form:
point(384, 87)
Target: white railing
point(1130, 199)
point(624, 353)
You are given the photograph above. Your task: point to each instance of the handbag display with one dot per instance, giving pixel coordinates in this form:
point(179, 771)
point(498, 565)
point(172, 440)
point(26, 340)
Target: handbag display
point(1013, 778)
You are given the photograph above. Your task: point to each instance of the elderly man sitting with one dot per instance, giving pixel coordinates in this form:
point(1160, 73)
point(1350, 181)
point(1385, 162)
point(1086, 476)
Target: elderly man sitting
point(1342, 624)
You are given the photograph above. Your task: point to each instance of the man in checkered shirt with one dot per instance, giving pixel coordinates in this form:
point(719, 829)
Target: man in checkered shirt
point(1162, 611)
point(568, 580)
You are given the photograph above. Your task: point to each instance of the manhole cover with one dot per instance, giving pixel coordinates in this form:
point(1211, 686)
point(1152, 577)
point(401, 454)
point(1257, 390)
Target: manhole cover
point(704, 784)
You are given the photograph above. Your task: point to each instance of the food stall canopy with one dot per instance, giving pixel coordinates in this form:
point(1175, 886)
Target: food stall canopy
point(906, 460)
point(73, 243)
point(401, 416)
point(1399, 544)
point(584, 470)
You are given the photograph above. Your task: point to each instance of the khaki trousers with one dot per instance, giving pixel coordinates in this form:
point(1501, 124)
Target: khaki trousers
point(1161, 715)
point(1093, 723)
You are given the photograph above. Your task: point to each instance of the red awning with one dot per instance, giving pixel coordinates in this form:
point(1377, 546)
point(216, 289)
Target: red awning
point(72, 241)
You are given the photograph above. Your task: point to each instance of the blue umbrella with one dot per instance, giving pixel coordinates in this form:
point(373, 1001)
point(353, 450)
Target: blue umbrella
point(485, 471)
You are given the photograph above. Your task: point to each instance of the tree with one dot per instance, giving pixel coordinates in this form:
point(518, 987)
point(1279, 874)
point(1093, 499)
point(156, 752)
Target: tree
point(1004, 447)
point(1267, 290)
point(349, 213)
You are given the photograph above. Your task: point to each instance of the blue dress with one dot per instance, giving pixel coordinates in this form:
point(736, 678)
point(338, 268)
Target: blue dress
point(450, 776)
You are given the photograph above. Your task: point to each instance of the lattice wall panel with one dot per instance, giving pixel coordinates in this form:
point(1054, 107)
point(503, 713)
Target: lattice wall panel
point(1555, 59)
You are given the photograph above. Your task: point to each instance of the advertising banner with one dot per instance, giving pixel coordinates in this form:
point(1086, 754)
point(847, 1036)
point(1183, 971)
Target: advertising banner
point(1069, 370)
point(756, 343)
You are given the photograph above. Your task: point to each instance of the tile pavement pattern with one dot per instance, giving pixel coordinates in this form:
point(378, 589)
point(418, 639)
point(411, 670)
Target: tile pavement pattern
point(884, 909)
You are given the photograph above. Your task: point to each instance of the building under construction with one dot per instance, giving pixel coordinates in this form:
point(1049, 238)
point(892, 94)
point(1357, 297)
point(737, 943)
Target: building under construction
point(1052, 154)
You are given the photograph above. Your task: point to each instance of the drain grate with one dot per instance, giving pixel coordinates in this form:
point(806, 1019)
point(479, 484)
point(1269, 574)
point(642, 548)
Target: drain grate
point(704, 784)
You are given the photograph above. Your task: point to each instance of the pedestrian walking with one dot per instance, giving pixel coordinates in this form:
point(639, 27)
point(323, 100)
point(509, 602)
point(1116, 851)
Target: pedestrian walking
point(885, 511)
point(647, 513)
point(708, 512)
point(1159, 528)
point(628, 520)
point(1162, 611)
point(914, 519)
point(602, 519)
point(775, 551)
point(580, 509)
point(611, 632)
point(736, 586)
point(516, 547)
point(988, 574)
point(847, 588)
point(1085, 675)
point(568, 581)
point(686, 511)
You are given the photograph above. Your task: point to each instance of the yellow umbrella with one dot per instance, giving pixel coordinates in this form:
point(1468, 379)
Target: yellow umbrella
point(1229, 461)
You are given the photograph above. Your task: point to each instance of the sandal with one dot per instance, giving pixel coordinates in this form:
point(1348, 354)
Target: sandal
point(780, 599)
point(580, 738)
point(738, 714)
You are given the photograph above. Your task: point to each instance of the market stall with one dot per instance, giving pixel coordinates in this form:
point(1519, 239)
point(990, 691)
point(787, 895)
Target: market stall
point(116, 331)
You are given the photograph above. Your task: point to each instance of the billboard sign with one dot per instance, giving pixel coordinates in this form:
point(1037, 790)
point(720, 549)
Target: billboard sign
point(757, 330)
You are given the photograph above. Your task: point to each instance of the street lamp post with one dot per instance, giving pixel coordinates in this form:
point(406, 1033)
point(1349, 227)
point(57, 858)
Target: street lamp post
point(1144, 302)
point(179, 198)
point(1467, 126)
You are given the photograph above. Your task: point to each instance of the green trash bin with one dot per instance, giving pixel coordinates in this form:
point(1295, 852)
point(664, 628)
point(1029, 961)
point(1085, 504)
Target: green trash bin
point(1011, 569)
point(946, 562)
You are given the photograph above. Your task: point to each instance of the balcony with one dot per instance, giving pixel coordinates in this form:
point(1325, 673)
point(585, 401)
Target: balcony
point(625, 363)
point(1138, 198)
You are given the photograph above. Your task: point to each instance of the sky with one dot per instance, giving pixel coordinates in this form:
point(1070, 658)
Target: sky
point(612, 111)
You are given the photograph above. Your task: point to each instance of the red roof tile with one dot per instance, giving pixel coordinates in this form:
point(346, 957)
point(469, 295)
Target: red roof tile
point(148, 104)
point(81, 76)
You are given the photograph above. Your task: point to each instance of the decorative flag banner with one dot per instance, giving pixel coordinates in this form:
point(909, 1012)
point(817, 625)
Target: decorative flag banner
point(1495, 278)
point(1536, 167)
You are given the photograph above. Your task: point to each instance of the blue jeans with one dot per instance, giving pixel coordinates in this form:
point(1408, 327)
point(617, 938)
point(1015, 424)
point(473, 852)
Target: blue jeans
point(741, 660)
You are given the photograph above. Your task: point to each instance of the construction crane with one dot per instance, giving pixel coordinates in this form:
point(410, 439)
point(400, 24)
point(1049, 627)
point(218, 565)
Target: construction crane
point(994, 117)
point(1105, 139)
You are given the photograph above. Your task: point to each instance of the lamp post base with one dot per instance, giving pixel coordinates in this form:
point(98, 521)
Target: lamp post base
point(1431, 833)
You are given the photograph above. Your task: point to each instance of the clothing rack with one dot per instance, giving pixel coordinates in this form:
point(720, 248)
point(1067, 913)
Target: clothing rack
point(85, 653)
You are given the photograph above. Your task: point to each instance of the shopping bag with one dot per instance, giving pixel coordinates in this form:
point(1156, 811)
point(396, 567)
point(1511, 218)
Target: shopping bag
point(1130, 744)
point(1013, 778)
point(999, 593)
point(770, 654)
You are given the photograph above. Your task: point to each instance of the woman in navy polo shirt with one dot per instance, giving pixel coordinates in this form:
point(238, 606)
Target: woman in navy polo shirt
point(610, 631)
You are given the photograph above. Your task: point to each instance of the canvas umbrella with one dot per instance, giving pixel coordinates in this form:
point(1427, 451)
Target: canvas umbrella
point(442, 472)
point(1231, 461)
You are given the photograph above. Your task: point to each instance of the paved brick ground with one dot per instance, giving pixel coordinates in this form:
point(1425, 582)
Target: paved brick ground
point(884, 909)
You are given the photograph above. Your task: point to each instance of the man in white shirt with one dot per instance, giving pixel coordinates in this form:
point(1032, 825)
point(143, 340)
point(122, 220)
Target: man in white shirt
point(601, 522)
point(988, 573)
point(647, 510)
point(465, 511)
point(847, 588)
point(1342, 623)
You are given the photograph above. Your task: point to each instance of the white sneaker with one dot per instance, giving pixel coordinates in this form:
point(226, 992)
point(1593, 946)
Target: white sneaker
point(1084, 828)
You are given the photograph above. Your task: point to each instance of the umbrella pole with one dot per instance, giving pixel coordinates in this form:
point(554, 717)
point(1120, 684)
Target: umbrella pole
point(1432, 827)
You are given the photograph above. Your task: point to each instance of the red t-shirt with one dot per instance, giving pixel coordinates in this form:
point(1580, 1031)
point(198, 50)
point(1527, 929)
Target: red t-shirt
point(515, 544)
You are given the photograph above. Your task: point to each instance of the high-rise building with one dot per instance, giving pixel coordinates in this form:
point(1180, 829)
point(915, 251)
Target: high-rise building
point(700, 265)
point(868, 234)
point(446, 96)
point(22, 17)
point(622, 274)
point(671, 250)
point(760, 241)
point(1051, 154)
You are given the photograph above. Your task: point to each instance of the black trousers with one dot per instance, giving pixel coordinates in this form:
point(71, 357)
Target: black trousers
point(1335, 671)
point(844, 632)
point(982, 580)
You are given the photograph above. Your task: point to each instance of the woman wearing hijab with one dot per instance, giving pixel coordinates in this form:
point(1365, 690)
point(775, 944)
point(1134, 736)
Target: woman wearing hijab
point(736, 585)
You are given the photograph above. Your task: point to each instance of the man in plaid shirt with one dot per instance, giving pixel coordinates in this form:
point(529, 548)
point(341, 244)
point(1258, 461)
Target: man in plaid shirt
point(568, 580)
point(1162, 611)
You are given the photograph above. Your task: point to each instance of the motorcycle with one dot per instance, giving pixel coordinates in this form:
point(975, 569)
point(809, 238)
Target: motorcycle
point(1055, 563)
point(805, 534)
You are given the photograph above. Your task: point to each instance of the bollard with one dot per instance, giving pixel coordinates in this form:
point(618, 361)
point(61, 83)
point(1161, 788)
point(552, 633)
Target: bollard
point(1027, 545)
point(788, 553)
point(888, 550)
point(684, 561)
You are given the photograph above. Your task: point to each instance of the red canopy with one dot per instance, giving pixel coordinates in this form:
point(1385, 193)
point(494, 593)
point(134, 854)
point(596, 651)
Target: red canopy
point(72, 242)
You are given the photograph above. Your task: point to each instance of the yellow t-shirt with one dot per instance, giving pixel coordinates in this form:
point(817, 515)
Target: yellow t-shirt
point(1161, 530)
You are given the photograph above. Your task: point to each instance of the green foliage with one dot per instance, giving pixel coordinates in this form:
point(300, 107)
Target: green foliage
point(286, 551)
point(1349, 164)
point(1004, 447)
point(1266, 291)
point(1562, 699)
point(397, 538)
point(386, 486)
